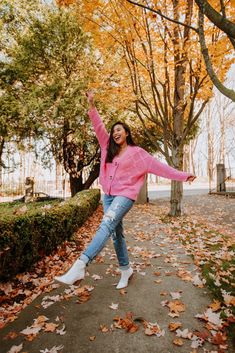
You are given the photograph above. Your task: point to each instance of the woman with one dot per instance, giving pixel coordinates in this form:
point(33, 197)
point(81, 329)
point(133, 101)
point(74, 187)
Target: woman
point(122, 172)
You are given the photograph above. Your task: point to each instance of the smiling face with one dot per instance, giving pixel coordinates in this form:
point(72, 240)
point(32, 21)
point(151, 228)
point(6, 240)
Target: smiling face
point(119, 135)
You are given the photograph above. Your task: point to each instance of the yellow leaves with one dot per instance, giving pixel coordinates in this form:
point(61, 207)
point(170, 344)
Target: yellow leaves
point(65, 2)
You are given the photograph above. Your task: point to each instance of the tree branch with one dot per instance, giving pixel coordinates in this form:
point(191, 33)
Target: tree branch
point(224, 90)
point(158, 12)
point(219, 20)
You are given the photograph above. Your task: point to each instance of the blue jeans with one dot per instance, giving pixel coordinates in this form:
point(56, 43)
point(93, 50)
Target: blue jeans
point(115, 208)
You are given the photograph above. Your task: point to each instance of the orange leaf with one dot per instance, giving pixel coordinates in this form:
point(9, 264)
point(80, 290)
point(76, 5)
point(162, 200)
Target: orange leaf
point(174, 325)
point(50, 327)
point(11, 335)
point(176, 306)
point(157, 273)
point(216, 305)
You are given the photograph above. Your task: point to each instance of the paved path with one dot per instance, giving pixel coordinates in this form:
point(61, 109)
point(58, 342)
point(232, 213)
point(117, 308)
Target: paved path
point(157, 257)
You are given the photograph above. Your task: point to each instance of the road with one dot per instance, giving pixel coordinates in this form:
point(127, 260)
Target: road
point(163, 191)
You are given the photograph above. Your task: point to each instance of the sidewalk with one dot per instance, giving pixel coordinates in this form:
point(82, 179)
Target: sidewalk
point(165, 289)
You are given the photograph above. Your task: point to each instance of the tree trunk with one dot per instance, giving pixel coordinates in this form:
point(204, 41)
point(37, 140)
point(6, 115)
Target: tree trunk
point(176, 198)
point(58, 175)
point(93, 175)
point(143, 194)
point(176, 186)
point(2, 142)
point(210, 148)
point(76, 184)
point(222, 119)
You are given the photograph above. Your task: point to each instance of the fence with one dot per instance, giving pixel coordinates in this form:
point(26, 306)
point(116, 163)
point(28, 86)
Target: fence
point(60, 188)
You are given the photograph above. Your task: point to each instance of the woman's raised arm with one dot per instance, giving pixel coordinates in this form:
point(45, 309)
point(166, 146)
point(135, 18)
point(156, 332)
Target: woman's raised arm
point(100, 130)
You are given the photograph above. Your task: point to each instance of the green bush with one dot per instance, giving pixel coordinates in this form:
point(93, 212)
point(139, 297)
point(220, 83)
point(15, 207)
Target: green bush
point(25, 238)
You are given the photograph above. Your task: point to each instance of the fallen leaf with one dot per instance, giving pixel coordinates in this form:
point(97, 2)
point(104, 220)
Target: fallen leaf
point(113, 306)
point(157, 273)
point(54, 349)
point(178, 342)
point(11, 335)
point(31, 330)
point(174, 325)
point(158, 281)
point(213, 318)
point(61, 331)
point(96, 277)
point(175, 295)
point(104, 328)
point(197, 281)
point(215, 306)
point(176, 306)
point(184, 275)
point(50, 327)
point(16, 349)
point(40, 320)
point(92, 338)
point(184, 333)
point(219, 338)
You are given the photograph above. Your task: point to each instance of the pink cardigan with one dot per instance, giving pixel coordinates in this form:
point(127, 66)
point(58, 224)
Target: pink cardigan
point(125, 175)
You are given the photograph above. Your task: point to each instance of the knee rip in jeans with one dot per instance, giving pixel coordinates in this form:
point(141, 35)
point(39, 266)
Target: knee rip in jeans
point(110, 215)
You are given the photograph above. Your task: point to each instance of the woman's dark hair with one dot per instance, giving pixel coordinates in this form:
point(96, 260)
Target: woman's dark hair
point(113, 148)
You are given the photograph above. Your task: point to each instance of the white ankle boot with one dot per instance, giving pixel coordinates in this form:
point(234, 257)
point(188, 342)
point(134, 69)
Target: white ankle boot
point(125, 276)
point(74, 274)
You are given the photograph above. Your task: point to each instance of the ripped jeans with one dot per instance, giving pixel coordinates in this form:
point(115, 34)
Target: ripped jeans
point(115, 208)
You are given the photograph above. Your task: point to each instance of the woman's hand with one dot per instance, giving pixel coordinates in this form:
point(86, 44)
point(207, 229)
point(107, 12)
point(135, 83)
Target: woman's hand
point(191, 178)
point(90, 98)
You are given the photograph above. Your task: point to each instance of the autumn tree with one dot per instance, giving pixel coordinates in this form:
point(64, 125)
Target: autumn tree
point(166, 81)
point(220, 14)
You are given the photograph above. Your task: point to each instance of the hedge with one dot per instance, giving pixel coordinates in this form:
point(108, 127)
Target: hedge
point(24, 239)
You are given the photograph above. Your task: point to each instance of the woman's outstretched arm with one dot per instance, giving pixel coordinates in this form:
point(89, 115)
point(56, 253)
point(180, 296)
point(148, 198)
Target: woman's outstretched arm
point(100, 130)
point(156, 167)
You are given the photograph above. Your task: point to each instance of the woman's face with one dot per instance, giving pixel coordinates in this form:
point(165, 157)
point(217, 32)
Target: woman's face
point(119, 134)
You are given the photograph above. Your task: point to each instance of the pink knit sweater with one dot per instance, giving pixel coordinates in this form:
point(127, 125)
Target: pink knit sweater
point(125, 175)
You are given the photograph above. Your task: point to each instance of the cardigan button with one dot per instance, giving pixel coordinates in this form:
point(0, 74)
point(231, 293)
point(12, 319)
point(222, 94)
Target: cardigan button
point(110, 177)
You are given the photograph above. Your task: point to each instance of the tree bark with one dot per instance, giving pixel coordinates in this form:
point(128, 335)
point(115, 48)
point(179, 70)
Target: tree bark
point(219, 20)
point(176, 198)
point(93, 175)
point(176, 186)
point(76, 184)
point(214, 78)
point(178, 110)
point(2, 142)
